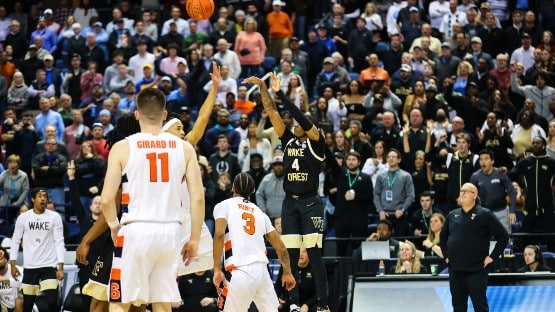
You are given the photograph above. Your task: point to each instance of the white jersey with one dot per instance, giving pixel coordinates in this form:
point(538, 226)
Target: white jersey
point(153, 178)
point(246, 227)
point(43, 239)
point(9, 287)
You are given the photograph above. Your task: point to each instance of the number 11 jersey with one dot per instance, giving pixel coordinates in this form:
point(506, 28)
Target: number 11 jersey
point(153, 179)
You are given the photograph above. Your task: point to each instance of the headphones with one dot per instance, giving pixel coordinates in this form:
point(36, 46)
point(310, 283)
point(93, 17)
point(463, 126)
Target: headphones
point(537, 253)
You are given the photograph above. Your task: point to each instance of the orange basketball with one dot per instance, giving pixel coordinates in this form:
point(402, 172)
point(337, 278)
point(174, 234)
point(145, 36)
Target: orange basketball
point(200, 9)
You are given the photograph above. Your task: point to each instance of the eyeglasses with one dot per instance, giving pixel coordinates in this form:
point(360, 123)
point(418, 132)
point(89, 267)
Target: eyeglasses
point(467, 191)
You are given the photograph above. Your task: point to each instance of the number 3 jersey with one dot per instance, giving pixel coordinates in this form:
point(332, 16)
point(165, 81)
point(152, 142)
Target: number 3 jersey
point(244, 237)
point(152, 179)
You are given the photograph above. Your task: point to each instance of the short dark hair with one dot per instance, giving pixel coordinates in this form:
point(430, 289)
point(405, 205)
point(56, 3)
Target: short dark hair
point(6, 253)
point(487, 151)
point(426, 194)
point(37, 190)
point(354, 153)
point(388, 223)
point(151, 103)
point(243, 184)
point(396, 151)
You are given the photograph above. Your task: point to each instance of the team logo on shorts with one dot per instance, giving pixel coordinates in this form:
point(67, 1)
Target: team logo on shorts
point(318, 223)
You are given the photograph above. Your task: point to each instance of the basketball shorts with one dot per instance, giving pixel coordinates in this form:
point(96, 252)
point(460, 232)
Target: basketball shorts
point(144, 268)
point(97, 286)
point(247, 284)
point(205, 260)
point(37, 280)
point(302, 220)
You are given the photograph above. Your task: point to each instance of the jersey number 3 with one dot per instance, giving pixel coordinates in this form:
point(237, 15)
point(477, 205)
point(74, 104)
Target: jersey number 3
point(153, 165)
point(249, 223)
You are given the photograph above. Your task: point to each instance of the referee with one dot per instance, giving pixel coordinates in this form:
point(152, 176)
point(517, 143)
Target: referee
point(302, 213)
point(464, 242)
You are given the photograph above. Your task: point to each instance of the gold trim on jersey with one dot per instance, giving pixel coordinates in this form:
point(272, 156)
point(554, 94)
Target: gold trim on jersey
point(49, 284)
point(32, 290)
point(292, 240)
point(313, 240)
point(96, 290)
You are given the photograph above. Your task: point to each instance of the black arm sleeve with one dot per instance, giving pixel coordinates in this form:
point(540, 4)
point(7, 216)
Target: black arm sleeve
point(303, 121)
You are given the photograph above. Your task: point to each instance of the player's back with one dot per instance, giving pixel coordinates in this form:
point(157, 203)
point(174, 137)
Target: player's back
point(153, 177)
point(246, 227)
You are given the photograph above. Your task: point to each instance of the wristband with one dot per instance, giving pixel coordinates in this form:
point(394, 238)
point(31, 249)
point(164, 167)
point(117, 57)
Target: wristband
point(113, 224)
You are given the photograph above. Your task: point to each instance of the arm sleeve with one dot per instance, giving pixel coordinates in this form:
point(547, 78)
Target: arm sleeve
point(377, 192)
point(304, 122)
point(59, 238)
point(17, 236)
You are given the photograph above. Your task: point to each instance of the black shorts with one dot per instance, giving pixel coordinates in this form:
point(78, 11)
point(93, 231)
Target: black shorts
point(303, 215)
point(39, 279)
point(100, 269)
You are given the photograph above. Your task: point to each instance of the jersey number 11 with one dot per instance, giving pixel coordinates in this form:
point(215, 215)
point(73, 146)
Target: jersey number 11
point(153, 164)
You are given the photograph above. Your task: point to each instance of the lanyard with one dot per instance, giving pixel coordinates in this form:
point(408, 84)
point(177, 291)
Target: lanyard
point(424, 219)
point(351, 183)
point(390, 182)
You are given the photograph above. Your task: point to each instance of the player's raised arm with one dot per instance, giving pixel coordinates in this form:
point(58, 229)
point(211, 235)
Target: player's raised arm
point(196, 194)
point(268, 104)
point(199, 127)
point(305, 123)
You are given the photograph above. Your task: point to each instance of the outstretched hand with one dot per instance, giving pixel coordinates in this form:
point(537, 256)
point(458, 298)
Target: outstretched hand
point(275, 82)
point(215, 75)
point(253, 80)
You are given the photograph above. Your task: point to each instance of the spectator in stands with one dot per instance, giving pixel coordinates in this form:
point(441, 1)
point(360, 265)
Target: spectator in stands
point(93, 53)
point(297, 93)
point(383, 233)
point(84, 12)
point(75, 134)
point(39, 89)
point(431, 243)
point(491, 35)
point(394, 193)
point(195, 39)
point(48, 117)
point(148, 80)
point(14, 183)
point(472, 109)
point(72, 80)
point(223, 126)
point(51, 132)
point(250, 46)
point(173, 36)
point(113, 70)
point(270, 193)
point(25, 139)
point(360, 44)
point(450, 19)
point(227, 85)
point(102, 38)
point(526, 128)
point(49, 168)
point(280, 29)
point(223, 161)
point(18, 93)
point(182, 25)
point(531, 27)
point(446, 65)
point(415, 99)
point(88, 79)
point(408, 262)
point(151, 27)
point(197, 293)
point(533, 260)
point(89, 172)
point(299, 58)
point(168, 65)
point(76, 42)
point(7, 68)
point(497, 139)
point(49, 40)
point(141, 35)
point(118, 17)
point(98, 141)
point(242, 104)
point(90, 107)
point(119, 81)
point(420, 220)
point(104, 118)
point(16, 39)
point(142, 58)
point(250, 145)
point(228, 57)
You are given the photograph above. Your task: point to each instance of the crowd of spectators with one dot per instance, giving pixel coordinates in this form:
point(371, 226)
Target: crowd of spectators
point(424, 86)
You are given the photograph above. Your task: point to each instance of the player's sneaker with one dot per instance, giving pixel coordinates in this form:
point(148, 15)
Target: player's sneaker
point(294, 308)
point(323, 309)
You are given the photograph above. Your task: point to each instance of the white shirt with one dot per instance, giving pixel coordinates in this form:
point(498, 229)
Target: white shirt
point(391, 17)
point(449, 19)
point(8, 291)
point(182, 26)
point(43, 238)
point(226, 85)
point(526, 57)
point(155, 172)
point(247, 225)
point(136, 64)
point(230, 59)
point(437, 10)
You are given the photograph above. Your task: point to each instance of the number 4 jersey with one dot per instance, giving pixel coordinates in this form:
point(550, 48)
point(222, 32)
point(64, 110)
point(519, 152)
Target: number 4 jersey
point(153, 177)
point(244, 237)
point(302, 163)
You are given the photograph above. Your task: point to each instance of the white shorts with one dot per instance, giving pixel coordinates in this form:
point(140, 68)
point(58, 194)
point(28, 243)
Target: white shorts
point(144, 268)
point(250, 283)
point(205, 260)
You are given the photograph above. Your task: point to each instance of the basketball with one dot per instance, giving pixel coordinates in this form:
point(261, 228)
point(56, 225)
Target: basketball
point(200, 9)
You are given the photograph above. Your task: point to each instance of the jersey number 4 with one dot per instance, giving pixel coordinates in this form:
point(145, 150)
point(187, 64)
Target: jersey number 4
point(249, 223)
point(153, 164)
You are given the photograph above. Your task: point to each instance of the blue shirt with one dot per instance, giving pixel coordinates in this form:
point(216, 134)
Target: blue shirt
point(49, 40)
point(50, 118)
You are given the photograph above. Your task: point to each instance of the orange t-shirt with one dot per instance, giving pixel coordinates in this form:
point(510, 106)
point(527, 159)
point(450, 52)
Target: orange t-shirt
point(244, 107)
point(377, 74)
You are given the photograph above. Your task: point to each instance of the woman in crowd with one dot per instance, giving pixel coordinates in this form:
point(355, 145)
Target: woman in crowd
point(341, 144)
point(372, 18)
point(408, 262)
point(377, 164)
point(322, 115)
point(547, 43)
point(297, 94)
point(464, 70)
point(431, 243)
point(14, 183)
point(252, 144)
point(251, 48)
point(534, 261)
point(419, 96)
point(525, 130)
point(550, 148)
point(17, 93)
point(353, 100)
point(89, 172)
